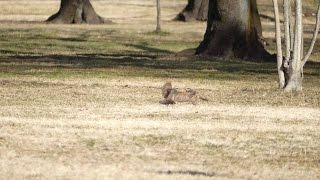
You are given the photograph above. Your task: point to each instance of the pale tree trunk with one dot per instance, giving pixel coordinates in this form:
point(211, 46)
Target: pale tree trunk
point(295, 71)
point(195, 10)
point(158, 28)
point(314, 38)
point(288, 35)
point(233, 30)
point(279, 46)
point(292, 66)
point(76, 12)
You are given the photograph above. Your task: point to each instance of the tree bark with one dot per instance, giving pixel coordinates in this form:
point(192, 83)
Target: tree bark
point(195, 10)
point(280, 69)
point(234, 30)
point(295, 68)
point(76, 12)
point(158, 28)
point(291, 71)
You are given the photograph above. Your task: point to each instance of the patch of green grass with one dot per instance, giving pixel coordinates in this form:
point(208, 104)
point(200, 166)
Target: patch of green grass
point(135, 65)
point(37, 41)
point(81, 52)
point(162, 33)
point(152, 140)
point(90, 143)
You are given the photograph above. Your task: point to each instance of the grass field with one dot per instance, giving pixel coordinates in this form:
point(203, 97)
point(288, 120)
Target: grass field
point(81, 102)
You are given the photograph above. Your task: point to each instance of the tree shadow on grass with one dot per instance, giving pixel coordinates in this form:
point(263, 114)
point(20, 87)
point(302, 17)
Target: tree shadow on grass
point(147, 61)
point(21, 22)
point(145, 47)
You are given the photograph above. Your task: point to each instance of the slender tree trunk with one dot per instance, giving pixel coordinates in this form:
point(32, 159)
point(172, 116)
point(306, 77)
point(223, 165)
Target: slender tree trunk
point(158, 29)
point(314, 38)
point(295, 74)
point(76, 12)
point(289, 38)
point(279, 46)
point(292, 65)
point(195, 10)
point(233, 30)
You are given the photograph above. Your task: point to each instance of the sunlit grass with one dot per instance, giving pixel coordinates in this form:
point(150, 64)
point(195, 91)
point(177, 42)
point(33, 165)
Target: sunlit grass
point(81, 102)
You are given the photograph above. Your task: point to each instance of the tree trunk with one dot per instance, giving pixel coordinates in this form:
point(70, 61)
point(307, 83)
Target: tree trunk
point(195, 10)
point(256, 17)
point(158, 28)
point(233, 30)
point(290, 68)
point(295, 68)
point(280, 64)
point(76, 12)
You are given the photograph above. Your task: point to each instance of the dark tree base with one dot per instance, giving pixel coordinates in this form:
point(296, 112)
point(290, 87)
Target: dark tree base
point(234, 33)
point(195, 10)
point(76, 12)
point(223, 45)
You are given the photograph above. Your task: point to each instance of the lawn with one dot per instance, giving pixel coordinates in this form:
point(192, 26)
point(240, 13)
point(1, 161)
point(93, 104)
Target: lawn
point(82, 102)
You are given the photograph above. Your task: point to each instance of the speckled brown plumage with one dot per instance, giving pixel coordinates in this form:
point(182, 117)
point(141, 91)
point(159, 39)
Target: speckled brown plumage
point(173, 95)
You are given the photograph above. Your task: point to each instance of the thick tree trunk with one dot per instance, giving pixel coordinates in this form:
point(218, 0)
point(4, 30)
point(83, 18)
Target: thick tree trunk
point(195, 10)
point(256, 17)
point(76, 12)
point(234, 30)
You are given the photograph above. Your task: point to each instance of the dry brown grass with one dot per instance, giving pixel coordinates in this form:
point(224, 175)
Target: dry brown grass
point(116, 129)
point(65, 119)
